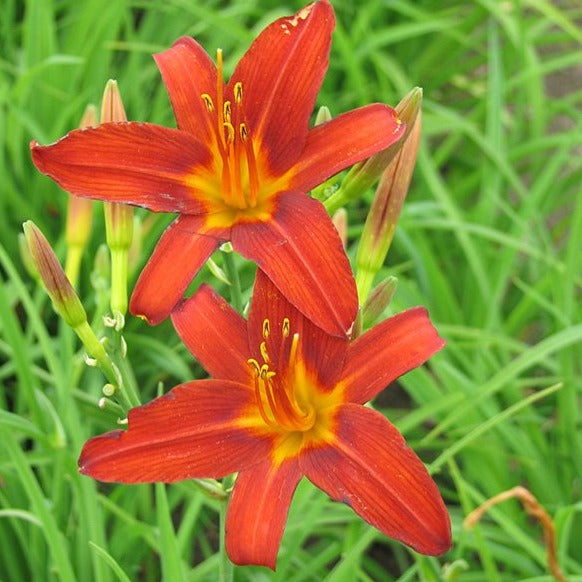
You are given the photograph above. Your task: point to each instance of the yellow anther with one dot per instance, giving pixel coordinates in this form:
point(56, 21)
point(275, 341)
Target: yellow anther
point(293, 351)
point(254, 365)
point(266, 328)
point(238, 92)
point(226, 111)
point(208, 102)
point(285, 327)
point(229, 131)
point(264, 352)
point(243, 131)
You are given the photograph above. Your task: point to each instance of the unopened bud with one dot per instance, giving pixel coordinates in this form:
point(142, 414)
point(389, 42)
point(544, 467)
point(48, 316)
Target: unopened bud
point(26, 257)
point(340, 221)
point(79, 216)
point(108, 390)
point(364, 175)
point(64, 298)
point(135, 249)
point(385, 211)
point(323, 115)
point(118, 217)
point(378, 301)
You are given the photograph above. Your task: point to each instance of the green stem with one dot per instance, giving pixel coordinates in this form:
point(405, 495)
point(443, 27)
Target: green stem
point(128, 386)
point(119, 280)
point(232, 274)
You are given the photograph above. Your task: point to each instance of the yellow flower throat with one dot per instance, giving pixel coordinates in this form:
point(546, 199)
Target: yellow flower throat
point(282, 399)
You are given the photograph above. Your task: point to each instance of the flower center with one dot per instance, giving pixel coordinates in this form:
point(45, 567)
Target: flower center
point(239, 173)
point(282, 398)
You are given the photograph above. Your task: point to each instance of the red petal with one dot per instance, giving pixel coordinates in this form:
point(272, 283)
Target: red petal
point(191, 432)
point(215, 334)
point(183, 249)
point(257, 512)
point(137, 163)
point(281, 74)
point(371, 469)
point(343, 141)
point(188, 72)
point(301, 252)
point(323, 353)
point(388, 350)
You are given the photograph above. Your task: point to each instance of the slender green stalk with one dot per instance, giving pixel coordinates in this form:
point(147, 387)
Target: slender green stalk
point(233, 277)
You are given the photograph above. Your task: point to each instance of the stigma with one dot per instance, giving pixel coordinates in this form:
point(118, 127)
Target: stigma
point(280, 394)
point(233, 144)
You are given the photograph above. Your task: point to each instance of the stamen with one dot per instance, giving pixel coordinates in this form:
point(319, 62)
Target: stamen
point(226, 111)
point(264, 353)
point(208, 102)
point(276, 400)
point(285, 327)
point(255, 365)
point(252, 166)
point(229, 132)
point(266, 328)
point(243, 132)
point(293, 351)
point(259, 400)
point(238, 93)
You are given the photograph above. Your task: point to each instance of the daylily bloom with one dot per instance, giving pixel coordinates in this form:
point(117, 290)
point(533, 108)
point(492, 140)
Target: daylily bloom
point(237, 168)
point(286, 401)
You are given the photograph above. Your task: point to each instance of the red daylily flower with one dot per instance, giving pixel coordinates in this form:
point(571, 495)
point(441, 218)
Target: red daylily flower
point(285, 402)
point(236, 168)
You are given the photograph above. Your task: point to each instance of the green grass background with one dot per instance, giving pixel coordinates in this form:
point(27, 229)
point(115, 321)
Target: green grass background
point(490, 241)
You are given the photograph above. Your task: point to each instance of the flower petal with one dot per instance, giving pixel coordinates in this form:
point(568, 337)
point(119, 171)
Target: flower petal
point(323, 353)
point(183, 249)
point(137, 163)
point(191, 432)
point(388, 350)
point(343, 141)
point(371, 469)
point(215, 334)
point(301, 252)
point(281, 74)
point(257, 512)
point(188, 73)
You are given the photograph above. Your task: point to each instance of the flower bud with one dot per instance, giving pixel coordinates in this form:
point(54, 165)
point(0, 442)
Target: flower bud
point(364, 175)
point(378, 301)
point(340, 221)
point(79, 216)
point(323, 115)
point(327, 188)
point(26, 257)
point(388, 201)
point(118, 217)
point(65, 300)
